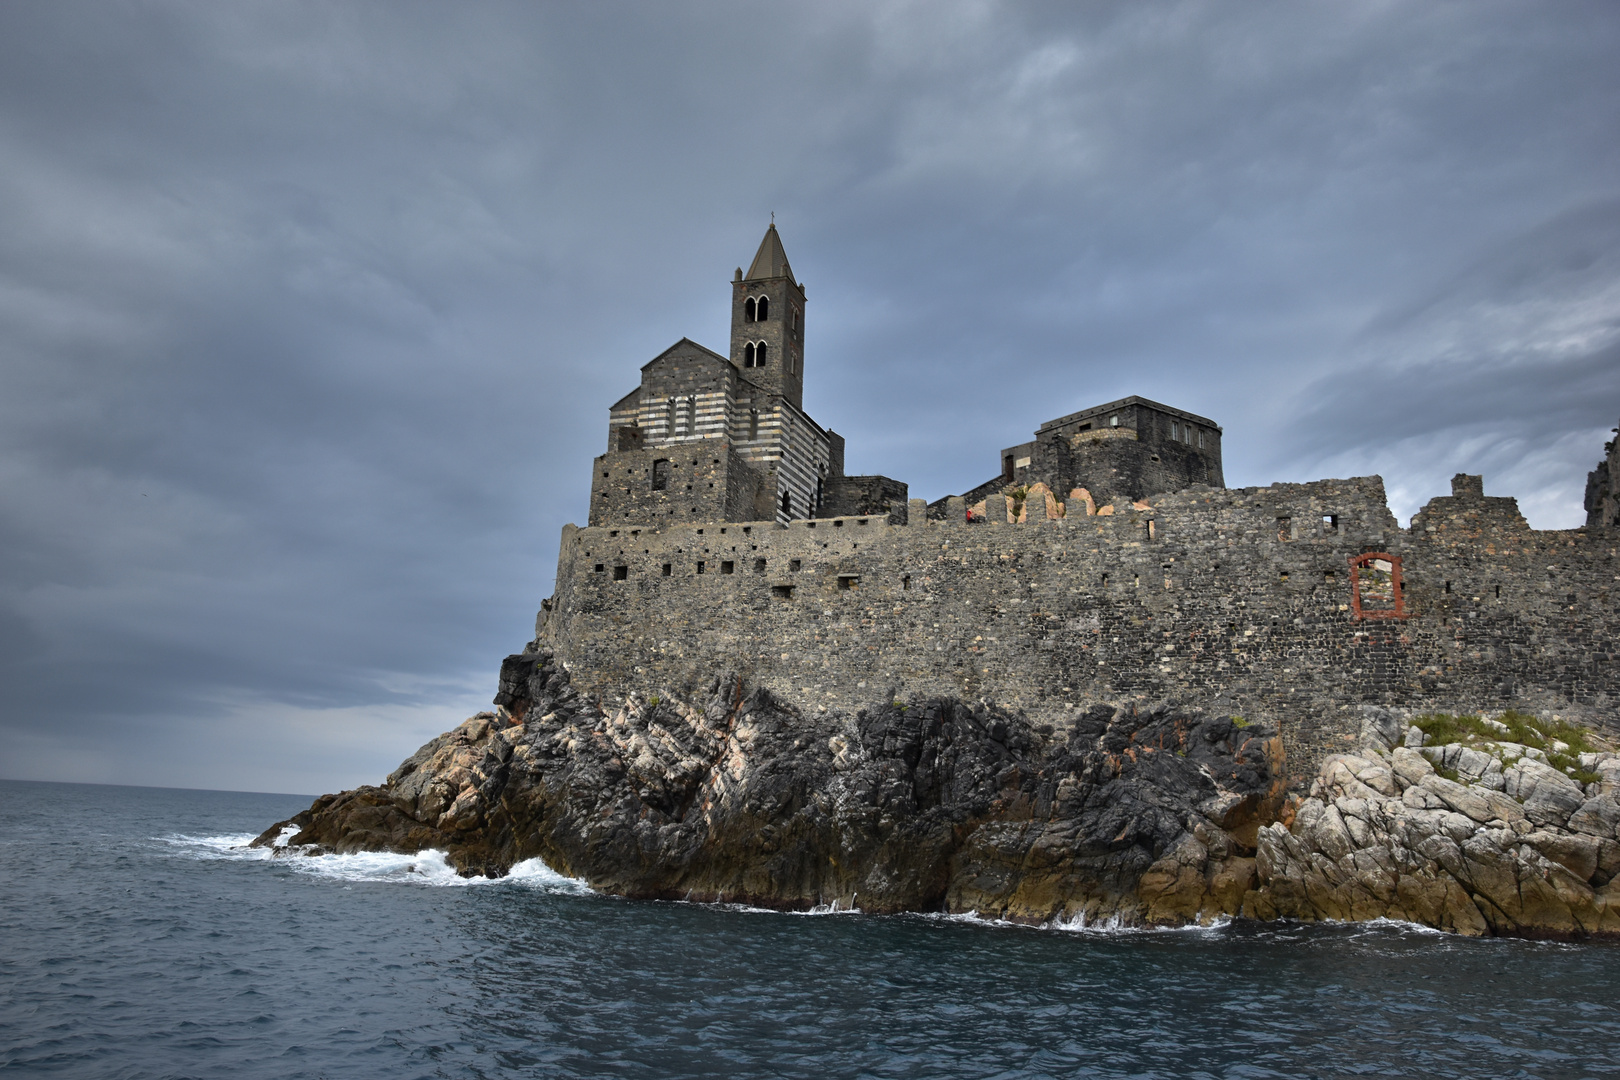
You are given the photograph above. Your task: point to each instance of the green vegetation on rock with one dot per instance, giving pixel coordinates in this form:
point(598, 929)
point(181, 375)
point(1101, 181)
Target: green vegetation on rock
point(1559, 740)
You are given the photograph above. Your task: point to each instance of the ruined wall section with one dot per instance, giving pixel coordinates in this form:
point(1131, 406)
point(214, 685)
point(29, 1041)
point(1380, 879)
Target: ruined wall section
point(1132, 448)
point(1238, 599)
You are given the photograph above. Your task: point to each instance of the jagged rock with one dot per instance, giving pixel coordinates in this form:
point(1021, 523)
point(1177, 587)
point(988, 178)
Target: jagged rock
point(1468, 857)
point(1147, 815)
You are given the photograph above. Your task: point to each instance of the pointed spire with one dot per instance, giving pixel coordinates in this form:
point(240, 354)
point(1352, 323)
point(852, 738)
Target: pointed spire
point(771, 260)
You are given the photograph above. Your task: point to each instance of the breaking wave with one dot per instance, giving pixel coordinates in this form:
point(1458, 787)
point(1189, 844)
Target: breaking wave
point(427, 867)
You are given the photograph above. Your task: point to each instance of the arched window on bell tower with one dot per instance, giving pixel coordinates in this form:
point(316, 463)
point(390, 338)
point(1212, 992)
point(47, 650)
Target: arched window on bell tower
point(748, 310)
point(759, 354)
point(763, 311)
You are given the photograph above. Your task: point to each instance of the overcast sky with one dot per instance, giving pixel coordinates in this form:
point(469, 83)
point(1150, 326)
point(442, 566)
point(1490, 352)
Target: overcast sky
point(311, 314)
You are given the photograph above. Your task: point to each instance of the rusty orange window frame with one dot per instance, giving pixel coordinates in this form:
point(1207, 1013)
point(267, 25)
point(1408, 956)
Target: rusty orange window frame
point(1356, 563)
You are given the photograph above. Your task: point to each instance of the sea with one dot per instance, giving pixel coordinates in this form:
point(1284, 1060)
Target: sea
point(139, 937)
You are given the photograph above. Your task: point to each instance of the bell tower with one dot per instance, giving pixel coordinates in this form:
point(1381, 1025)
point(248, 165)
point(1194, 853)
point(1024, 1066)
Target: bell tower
point(767, 322)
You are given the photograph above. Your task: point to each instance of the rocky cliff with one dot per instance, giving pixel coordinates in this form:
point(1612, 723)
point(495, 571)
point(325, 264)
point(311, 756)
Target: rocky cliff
point(1140, 815)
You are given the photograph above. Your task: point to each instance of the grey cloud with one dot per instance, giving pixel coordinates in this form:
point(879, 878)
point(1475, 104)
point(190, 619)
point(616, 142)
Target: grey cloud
point(310, 313)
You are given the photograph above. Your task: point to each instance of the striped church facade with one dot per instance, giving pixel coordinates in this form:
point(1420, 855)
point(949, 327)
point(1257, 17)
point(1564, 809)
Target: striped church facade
point(712, 437)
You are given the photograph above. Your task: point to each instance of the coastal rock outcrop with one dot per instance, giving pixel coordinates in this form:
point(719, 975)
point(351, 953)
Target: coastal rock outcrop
point(1136, 814)
point(1479, 839)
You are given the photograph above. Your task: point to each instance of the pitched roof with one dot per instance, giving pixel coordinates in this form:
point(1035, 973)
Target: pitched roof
point(690, 347)
point(770, 261)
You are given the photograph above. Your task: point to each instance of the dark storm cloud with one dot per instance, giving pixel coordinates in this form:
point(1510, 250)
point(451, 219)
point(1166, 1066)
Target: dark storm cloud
point(310, 314)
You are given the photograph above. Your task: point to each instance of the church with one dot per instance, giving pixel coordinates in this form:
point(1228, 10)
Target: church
point(707, 437)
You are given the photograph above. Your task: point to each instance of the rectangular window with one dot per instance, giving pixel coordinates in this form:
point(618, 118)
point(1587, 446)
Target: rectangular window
point(728, 567)
point(701, 567)
point(1376, 587)
point(849, 581)
point(660, 474)
point(784, 591)
point(759, 566)
point(1330, 522)
point(1175, 432)
point(621, 573)
point(794, 565)
point(1285, 528)
point(600, 567)
point(669, 568)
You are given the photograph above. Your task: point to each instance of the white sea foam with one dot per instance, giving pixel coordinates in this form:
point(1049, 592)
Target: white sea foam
point(427, 867)
point(1112, 926)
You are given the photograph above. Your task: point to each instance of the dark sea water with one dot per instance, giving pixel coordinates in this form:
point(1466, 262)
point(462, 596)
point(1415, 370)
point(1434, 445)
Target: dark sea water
point(136, 940)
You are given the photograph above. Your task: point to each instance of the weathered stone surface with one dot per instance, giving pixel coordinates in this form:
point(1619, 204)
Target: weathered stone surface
point(1597, 817)
point(1459, 856)
point(1157, 815)
point(927, 805)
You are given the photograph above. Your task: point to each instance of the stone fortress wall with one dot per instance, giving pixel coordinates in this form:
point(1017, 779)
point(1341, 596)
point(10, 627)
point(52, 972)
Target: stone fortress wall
point(1295, 604)
point(1243, 600)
